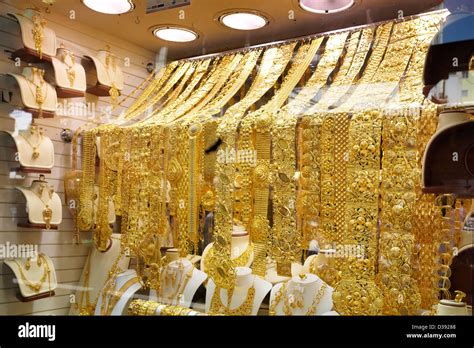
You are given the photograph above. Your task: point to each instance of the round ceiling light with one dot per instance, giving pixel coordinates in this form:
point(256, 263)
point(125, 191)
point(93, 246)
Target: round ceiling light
point(175, 34)
point(326, 6)
point(243, 20)
point(113, 7)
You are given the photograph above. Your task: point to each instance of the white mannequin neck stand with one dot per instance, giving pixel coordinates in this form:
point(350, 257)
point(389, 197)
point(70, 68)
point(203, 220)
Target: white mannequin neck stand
point(309, 287)
point(120, 282)
point(243, 282)
point(184, 289)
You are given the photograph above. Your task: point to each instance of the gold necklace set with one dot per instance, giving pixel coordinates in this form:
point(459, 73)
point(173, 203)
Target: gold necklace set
point(69, 61)
point(34, 131)
point(317, 161)
point(218, 308)
point(47, 212)
point(37, 93)
point(289, 306)
point(176, 286)
point(35, 286)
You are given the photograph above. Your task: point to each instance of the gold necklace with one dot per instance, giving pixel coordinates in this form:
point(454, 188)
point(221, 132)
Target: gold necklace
point(109, 304)
point(39, 23)
point(70, 67)
point(176, 295)
point(110, 61)
point(288, 307)
point(47, 211)
point(218, 308)
point(240, 261)
point(38, 94)
point(34, 146)
point(36, 287)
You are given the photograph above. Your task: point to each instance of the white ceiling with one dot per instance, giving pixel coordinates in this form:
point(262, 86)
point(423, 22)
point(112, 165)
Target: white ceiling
point(287, 20)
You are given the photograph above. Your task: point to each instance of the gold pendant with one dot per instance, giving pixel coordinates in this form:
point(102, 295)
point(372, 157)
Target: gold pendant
point(47, 215)
point(71, 74)
point(114, 93)
point(35, 154)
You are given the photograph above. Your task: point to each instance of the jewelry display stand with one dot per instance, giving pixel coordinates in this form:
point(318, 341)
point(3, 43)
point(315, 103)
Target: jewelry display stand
point(70, 76)
point(245, 299)
point(301, 295)
point(96, 273)
point(180, 281)
point(443, 173)
point(35, 151)
point(241, 252)
point(37, 96)
point(39, 41)
point(115, 301)
point(453, 307)
point(110, 79)
point(43, 205)
point(36, 277)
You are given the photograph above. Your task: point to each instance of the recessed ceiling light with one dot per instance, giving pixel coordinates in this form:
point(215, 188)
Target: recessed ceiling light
point(113, 7)
point(243, 20)
point(175, 34)
point(326, 6)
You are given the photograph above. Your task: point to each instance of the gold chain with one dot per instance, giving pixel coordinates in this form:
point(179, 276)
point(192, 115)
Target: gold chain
point(36, 287)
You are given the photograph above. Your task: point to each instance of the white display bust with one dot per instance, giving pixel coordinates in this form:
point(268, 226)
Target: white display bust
point(30, 81)
point(97, 268)
point(239, 245)
point(35, 149)
point(126, 285)
point(309, 288)
point(243, 282)
point(187, 278)
point(48, 45)
point(449, 307)
point(108, 69)
point(34, 271)
point(42, 203)
point(69, 75)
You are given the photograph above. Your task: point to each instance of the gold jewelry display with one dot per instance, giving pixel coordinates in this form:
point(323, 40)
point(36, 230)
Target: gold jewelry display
point(47, 211)
point(37, 91)
point(399, 178)
point(310, 169)
point(69, 60)
point(177, 286)
point(273, 63)
point(282, 294)
point(85, 214)
point(357, 269)
point(308, 200)
point(36, 287)
point(34, 146)
point(332, 52)
point(240, 261)
point(39, 23)
point(218, 308)
point(141, 103)
point(110, 297)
